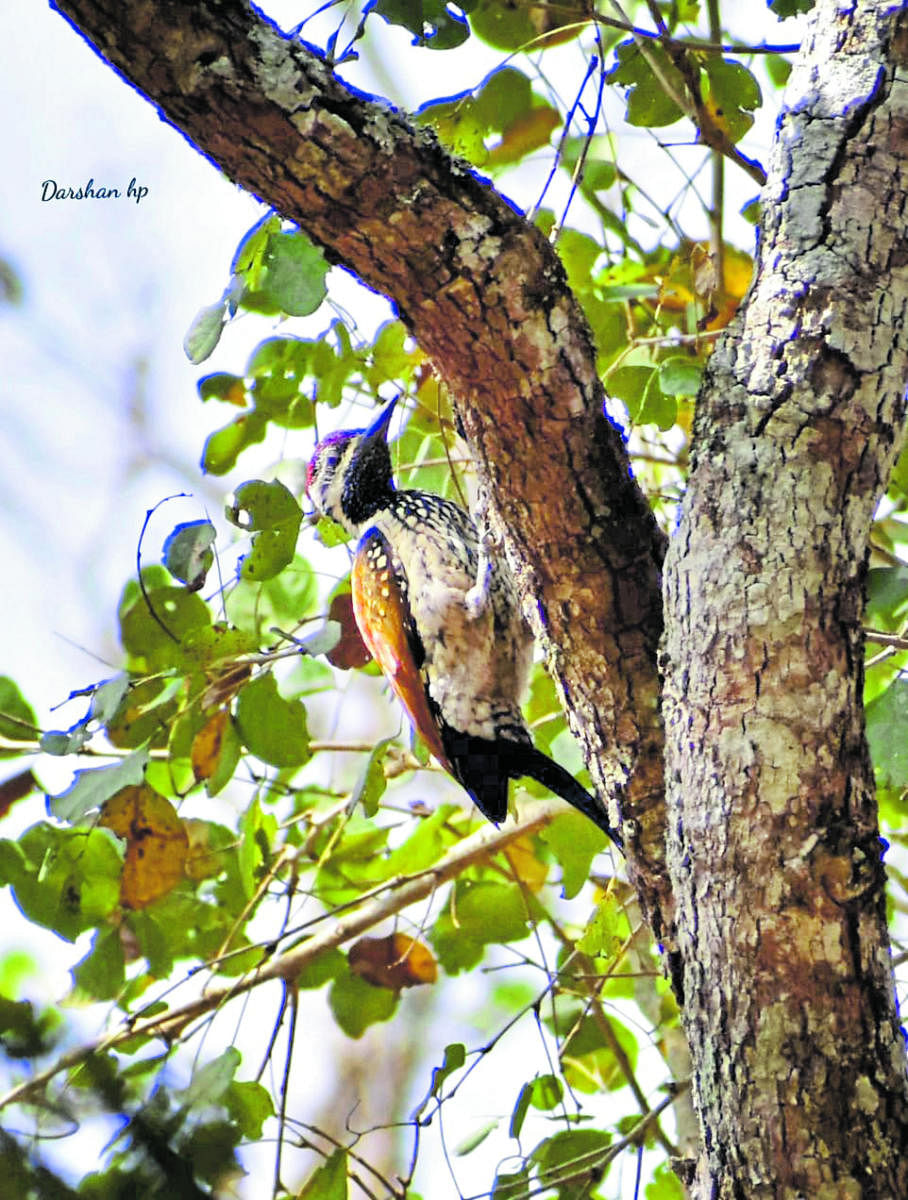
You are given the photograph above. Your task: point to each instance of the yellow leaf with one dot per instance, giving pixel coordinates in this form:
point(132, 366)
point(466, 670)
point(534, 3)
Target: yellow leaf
point(206, 745)
point(525, 863)
point(156, 843)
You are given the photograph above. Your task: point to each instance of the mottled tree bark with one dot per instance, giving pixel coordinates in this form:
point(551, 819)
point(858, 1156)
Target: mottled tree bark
point(774, 849)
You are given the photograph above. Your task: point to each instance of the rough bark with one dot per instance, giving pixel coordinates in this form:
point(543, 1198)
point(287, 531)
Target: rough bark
point(486, 297)
point(774, 851)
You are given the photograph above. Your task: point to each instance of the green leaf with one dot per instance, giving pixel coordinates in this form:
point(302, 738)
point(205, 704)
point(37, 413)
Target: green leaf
point(509, 26)
point(638, 387)
point(371, 785)
point(356, 1004)
point(205, 332)
point(425, 845)
point(578, 252)
point(887, 734)
point(436, 24)
point(295, 271)
point(479, 913)
point(679, 376)
point(322, 970)
point(256, 833)
point(887, 598)
point(468, 1144)
point(778, 68)
point(153, 941)
point(546, 1093)
point(327, 1182)
point(575, 841)
point(100, 974)
point(513, 1185)
point(521, 1108)
point(250, 1105)
point(67, 880)
point(107, 697)
point(187, 552)
point(91, 787)
point(751, 211)
point(790, 8)
point(280, 368)
point(272, 728)
point(17, 718)
point(734, 93)
point(250, 254)
point(606, 930)
point(157, 628)
point(269, 510)
point(543, 1093)
point(393, 357)
point(221, 386)
point(60, 743)
point(284, 599)
point(569, 1160)
point(23, 1033)
point(455, 1057)
point(498, 125)
point(209, 1150)
point(588, 1065)
point(224, 447)
point(665, 1185)
point(600, 171)
point(647, 102)
point(211, 1080)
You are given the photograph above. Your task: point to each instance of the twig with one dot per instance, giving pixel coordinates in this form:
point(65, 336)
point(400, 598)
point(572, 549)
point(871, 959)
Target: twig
point(403, 892)
point(691, 104)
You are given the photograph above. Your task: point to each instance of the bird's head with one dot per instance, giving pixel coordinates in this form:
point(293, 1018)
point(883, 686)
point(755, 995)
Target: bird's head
point(349, 474)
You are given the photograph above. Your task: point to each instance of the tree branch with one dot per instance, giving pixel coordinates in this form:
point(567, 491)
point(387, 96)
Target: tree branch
point(395, 896)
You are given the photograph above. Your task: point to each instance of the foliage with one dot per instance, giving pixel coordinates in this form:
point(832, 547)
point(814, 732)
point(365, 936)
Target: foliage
point(210, 833)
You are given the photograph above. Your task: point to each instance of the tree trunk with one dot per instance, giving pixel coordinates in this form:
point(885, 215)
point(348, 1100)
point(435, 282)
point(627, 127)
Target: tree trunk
point(775, 855)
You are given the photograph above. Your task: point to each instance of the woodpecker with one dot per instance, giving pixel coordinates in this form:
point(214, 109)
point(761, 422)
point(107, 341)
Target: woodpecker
point(452, 644)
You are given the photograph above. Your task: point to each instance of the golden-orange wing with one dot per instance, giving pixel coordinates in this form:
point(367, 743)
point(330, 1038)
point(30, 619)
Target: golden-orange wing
point(383, 615)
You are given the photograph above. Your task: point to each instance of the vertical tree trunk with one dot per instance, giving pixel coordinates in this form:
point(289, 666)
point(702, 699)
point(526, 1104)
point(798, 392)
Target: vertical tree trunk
point(774, 852)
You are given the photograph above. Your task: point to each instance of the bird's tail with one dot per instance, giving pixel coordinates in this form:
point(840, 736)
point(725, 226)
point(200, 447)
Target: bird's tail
point(527, 760)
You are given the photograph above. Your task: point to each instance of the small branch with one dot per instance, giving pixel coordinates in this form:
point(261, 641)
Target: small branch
point(691, 102)
point(403, 892)
point(698, 43)
point(894, 640)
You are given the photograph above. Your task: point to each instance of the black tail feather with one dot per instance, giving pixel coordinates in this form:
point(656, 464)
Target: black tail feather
point(484, 767)
point(527, 760)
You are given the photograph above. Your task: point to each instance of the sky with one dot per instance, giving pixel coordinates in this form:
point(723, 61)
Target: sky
point(100, 414)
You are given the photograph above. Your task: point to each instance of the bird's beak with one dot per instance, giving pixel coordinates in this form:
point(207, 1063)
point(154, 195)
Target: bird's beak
point(379, 427)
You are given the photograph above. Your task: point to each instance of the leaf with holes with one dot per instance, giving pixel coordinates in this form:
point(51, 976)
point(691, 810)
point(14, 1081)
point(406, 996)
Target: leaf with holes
point(271, 513)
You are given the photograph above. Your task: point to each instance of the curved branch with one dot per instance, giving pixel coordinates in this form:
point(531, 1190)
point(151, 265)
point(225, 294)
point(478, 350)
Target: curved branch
point(487, 299)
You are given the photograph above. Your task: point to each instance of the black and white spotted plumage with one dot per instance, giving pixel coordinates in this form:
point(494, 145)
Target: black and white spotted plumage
point(459, 667)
